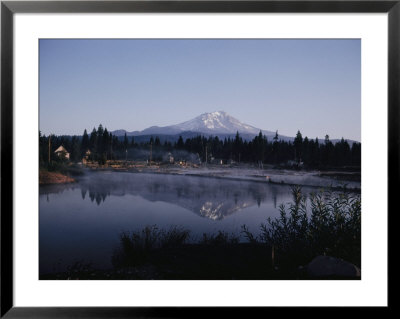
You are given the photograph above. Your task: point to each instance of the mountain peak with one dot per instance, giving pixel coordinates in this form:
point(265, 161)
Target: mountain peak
point(218, 113)
point(215, 123)
point(214, 115)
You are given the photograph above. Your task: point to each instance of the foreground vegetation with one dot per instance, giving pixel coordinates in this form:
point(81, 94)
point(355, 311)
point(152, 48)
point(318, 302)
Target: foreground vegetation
point(333, 228)
point(325, 223)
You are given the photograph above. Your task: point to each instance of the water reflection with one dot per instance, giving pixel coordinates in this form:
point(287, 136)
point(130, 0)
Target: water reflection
point(210, 198)
point(83, 221)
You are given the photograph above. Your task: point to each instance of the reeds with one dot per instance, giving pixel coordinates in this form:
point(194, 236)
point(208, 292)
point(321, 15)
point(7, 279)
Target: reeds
point(330, 226)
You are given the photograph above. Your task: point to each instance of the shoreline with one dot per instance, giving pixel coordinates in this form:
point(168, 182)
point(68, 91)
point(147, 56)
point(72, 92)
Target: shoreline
point(336, 180)
point(51, 178)
point(332, 179)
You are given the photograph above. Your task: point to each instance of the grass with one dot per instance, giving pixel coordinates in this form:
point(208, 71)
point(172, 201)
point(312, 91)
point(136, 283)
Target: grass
point(220, 239)
point(135, 247)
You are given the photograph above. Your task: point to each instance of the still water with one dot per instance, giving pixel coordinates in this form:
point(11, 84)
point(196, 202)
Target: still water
point(82, 221)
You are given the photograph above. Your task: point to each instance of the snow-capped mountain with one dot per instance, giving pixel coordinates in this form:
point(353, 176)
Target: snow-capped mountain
point(215, 123)
point(218, 123)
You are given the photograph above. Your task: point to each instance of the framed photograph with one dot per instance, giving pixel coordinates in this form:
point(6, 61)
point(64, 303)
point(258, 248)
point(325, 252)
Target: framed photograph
point(163, 155)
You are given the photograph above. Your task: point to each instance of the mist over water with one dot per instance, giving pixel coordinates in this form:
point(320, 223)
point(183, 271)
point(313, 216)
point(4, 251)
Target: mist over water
point(82, 221)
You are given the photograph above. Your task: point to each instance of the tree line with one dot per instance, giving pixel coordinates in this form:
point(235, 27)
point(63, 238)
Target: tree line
point(301, 151)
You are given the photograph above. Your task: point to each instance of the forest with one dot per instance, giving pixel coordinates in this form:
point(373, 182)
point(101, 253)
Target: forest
point(301, 152)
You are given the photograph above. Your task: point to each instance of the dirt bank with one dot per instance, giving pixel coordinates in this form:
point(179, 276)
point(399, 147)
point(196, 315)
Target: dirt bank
point(46, 177)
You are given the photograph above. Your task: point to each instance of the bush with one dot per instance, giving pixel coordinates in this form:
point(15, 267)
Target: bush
point(136, 246)
point(222, 238)
point(333, 227)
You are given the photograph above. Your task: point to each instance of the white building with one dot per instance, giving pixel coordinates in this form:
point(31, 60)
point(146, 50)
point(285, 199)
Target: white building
point(62, 152)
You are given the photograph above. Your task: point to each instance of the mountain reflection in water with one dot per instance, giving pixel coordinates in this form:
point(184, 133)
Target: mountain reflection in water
point(83, 221)
point(208, 197)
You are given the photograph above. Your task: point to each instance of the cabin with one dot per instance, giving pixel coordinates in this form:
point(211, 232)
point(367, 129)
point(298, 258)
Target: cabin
point(61, 152)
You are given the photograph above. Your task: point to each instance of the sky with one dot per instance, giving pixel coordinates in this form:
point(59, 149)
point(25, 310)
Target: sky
point(287, 85)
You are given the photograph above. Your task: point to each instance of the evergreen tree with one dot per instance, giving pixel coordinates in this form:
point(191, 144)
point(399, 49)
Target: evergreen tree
point(259, 144)
point(237, 147)
point(100, 145)
point(126, 142)
point(180, 144)
point(85, 142)
point(106, 145)
point(276, 137)
point(93, 141)
point(327, 152)
point(76, 152)
point(298, 146)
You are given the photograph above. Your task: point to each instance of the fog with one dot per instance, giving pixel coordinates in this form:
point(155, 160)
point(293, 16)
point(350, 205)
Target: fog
point(207, 197)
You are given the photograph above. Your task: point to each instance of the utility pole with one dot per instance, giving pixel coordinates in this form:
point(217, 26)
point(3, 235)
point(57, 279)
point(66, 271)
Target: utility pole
point(49, 146)
point(206, 155)
point(151, 151)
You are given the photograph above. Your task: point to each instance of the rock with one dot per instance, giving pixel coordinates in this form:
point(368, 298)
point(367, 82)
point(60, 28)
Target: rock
point(327, 266)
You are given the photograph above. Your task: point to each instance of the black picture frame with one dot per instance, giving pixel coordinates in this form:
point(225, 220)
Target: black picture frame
point(9, 8)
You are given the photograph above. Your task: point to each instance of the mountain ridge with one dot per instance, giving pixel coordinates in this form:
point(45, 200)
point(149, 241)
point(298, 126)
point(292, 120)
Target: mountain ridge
point(218, 123)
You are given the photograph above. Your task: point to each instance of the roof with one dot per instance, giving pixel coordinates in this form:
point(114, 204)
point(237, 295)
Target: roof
point(60, 149)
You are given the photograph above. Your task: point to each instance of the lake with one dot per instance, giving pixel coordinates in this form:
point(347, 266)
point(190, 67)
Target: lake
point(83, 221)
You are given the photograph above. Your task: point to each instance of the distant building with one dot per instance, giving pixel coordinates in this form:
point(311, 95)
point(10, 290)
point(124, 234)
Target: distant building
point(62, 152)
point(86, 157)
point(294, 164)
point(217, 161)
point(168, 158)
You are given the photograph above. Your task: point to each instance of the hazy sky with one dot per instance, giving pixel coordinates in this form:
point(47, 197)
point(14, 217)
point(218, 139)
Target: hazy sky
point(309, 85)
